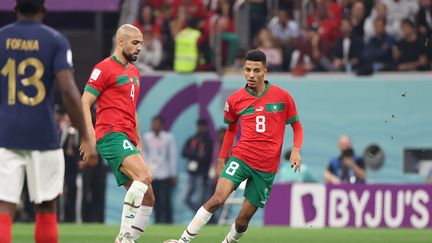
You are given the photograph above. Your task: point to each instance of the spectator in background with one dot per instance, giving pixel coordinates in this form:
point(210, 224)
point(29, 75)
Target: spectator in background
point(379, 11)
point(399, 10)
point(187, 45)
point(194, 8)
point(348, 49)
point(198, 151)
point(346, 167)
point(424, 18)
point(266, 43)
point(378, 50)
point(151, 55)
point(147, 21)
point(257, 16)
point(312, 55)
point(286, 32)
point(225, 27)
point(410, 53)
point(178, 22)
point(357, 17)
point(326, 19)
point(160, 153)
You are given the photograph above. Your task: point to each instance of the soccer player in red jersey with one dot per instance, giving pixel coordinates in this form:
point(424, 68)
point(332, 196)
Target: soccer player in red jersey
point(262, 109)
point(114, 85)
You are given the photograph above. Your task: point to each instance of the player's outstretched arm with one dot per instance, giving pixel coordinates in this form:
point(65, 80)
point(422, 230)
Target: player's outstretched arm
point(228, 141)
point(71, 100)
point(295, 158)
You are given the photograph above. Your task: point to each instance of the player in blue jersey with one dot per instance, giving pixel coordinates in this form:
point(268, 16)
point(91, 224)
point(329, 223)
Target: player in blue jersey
point(32, 56)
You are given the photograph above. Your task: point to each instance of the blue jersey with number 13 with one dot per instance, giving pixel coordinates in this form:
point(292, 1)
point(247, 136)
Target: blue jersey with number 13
point(31, 53)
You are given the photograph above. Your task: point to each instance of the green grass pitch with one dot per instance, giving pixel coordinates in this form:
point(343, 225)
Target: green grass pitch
point(95, 233)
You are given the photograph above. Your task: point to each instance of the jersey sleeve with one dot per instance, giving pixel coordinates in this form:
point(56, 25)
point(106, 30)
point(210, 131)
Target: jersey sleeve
point(62, 55)
point(230, 115)
point(291, 113)
point(98, 81)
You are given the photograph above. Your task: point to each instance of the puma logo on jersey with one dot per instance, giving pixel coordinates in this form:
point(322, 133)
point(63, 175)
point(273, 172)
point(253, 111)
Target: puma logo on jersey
point(261, 108)
point(95, 74)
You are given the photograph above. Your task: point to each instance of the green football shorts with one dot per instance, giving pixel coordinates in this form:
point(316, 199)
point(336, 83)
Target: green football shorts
point(258, 185)
point(114, 148)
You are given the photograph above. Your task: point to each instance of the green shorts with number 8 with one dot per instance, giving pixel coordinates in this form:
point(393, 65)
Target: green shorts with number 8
point(258, 185)
point(114, 148)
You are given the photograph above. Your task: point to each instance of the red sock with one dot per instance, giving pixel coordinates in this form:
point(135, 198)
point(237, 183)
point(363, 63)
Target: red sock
point(5, 228)
point(46, 228)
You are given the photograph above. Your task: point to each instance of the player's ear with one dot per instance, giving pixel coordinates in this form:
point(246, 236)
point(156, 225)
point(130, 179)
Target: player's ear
point(120, 41)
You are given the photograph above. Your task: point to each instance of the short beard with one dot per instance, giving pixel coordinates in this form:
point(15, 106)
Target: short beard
point(129, 57)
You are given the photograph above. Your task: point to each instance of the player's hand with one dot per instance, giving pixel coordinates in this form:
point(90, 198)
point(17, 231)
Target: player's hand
point(295, 159)
point(89, 154)
point(219, 167)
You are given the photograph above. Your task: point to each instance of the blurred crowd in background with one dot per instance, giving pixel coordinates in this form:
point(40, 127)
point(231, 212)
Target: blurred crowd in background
point(297, 36)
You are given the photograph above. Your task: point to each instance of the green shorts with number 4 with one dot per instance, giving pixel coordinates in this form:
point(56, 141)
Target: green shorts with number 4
point(258, 185)
point(114, 148)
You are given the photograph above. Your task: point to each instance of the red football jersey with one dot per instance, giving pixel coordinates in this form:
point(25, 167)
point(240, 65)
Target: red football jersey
point(117, 89)
point(262, 123)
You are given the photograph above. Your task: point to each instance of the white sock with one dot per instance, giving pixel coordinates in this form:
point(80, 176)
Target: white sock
point(131, 204)
point(200, 219)
point(141, 220)
point(233, 235)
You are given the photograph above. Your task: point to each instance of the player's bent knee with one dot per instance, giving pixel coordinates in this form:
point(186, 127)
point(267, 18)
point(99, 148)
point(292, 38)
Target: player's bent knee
point(217, 201)
point(47, 207)
point(145, 177)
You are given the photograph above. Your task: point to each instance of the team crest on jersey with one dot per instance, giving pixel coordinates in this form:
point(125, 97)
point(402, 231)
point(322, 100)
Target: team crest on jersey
point(275, 107)
point(95, 74)
point(226, 108)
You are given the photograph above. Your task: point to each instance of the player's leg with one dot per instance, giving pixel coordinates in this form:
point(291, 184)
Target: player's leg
point(241, 224)
point(12, 165)
point(45, 178)
point(134, 168)
point(232, 175)
point(224, 188)
point(143, 214)
point(46, 230)
point(129, 169)
point(257, 191)
point(7, 211)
